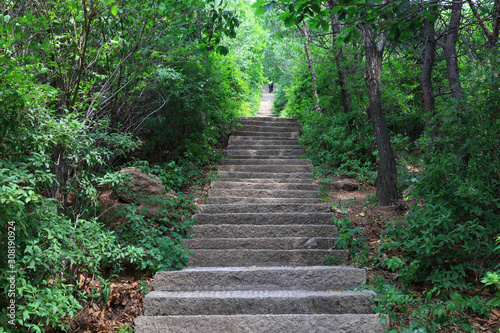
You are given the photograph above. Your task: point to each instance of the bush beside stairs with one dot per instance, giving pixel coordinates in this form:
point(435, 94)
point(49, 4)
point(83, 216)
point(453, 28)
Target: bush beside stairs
point(260, 246)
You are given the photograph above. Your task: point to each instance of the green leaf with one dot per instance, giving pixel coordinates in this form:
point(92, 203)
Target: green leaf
point(114, 10)
point(259, 3)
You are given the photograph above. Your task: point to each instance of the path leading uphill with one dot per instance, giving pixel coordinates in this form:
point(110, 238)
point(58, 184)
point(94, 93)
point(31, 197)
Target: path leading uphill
point(260, 246)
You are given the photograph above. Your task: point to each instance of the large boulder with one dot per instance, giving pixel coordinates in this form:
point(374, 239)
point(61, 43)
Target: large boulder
point(142, 185)
point(346, 185)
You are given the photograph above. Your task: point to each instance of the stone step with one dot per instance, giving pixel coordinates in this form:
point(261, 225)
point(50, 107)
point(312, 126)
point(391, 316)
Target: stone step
point(265, 186)
point(261, 278)
point(248, 140)
point(253, 161)
point(272, 120)
point(263, 257)
point(264, 175)
point(264, 157)
point(264, 218)
point(289, 243)
point(262, 231)
point(231, 147)
point(251, 193)
point(275, 135)
point(231, 302)
point(260, 137)
point(268, 180)
point(274, 129)
point(267, 168)
point(243, 200)
point(249, 153)
point(287, 323)
point(268, 123)
point(264, 208)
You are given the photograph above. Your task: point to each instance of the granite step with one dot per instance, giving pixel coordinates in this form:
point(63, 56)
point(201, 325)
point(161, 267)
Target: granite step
point(268, 161)
point(265, 257)
point(287, 323)
point(261, 231)
point(249, 153)
point(274, 135)
point(267, 180)
point(264, 175)
point(267, 168)
point(264, 208)
point(261, 193)
point(289, 243)
point(231, 302)
point(264, 186)
point(261, 278)
point(274, 129)
point(265, 218)
point(240, 200)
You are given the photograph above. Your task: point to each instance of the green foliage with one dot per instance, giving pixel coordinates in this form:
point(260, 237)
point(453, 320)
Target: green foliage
point(427, 313)
point(451, 234)
point(350, 238)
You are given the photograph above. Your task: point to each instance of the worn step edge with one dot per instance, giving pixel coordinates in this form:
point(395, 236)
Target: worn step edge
point(260, 257)
point(269, 161)
point(261, 193)
point(275, 175)
point(266, 168)
point(306, 180)
point(264, 186)
point(245, 200)
point(295, 323)
point(263, 243)
point(158, 303)
point(264, 208)
point(264, 218)
point(261, 278)
point(259, 231)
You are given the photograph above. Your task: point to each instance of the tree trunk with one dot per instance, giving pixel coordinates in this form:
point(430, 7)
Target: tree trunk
point(310, 64)
point(387, 174)
point(428, 64)
point(450, 51)
point(345, 97)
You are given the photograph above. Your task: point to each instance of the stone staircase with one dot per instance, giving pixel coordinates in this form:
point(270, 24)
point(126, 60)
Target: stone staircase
point(260, 247)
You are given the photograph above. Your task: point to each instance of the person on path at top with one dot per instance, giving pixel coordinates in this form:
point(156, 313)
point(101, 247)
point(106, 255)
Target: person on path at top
point(271, 85)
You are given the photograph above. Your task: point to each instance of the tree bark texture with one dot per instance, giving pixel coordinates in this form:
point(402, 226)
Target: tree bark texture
point(387, 174)
point(310, 64)
point(345, 97)
point(428, 64)
point(450, 51)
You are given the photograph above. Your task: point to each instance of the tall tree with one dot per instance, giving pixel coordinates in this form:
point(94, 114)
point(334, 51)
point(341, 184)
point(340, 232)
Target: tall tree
point(450, 51)
point(428, 56)
point(387, 173)
point(345, 97)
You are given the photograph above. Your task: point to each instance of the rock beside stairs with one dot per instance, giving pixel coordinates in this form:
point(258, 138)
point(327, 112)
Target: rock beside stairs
point(260, 245)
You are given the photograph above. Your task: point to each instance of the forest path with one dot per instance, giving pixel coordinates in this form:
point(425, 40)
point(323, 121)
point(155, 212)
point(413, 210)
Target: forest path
point(260, 246)
point(266, 103)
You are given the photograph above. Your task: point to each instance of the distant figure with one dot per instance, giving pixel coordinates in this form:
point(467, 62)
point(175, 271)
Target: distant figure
point(271, 85)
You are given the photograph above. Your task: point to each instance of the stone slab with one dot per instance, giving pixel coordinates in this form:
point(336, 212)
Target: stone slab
point(246, 200)
point(264, 208)
point(268, 161)
point(296, 323)
point(288, 243)
point(262, 257)
point(264, 186)
point(259, 231)
point(265, 218)
point(274, 175)
point(261, 193)
point(260, 278)
point(267, 168)
point(231, 302)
